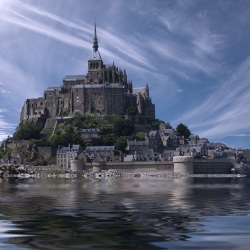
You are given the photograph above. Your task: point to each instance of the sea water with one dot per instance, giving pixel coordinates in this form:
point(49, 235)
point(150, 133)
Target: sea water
point(139, 213)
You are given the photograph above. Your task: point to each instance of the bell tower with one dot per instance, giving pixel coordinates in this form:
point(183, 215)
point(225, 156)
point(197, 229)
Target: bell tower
point(95, 63)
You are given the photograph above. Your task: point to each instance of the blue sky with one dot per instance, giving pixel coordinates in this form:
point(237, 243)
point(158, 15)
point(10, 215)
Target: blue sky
point(194, 54)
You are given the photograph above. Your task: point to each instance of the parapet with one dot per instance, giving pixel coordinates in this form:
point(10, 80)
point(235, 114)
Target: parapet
point(183, 159)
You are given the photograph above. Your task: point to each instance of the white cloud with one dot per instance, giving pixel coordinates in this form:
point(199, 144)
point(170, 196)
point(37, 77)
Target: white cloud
point(2, 110)
point(191, 45)
point(225, 110)
point(174, 45)
point(21, 78)
point(6, 129)
point(240, 135)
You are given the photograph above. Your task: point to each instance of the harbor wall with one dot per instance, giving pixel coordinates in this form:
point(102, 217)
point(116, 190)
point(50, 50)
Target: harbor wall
point(212, 167)
point(199, 167)
point(137, 167)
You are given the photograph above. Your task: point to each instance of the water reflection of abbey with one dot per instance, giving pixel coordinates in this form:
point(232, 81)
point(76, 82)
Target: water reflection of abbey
point(104, 90)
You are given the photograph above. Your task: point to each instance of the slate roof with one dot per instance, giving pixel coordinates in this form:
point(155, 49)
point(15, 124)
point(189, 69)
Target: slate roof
point(197, 149)
point(100, 148)
point(213, 145)
point(193, 136)
point(95, 56)
point(197, 145)
point(97, 86)
point(75, 147)
point(146, 153)
point(168, 131)
point(172, 152)
point(98, 159)
point(74, 77)
point(245, 152)
point(138, 143)
point(64, 150)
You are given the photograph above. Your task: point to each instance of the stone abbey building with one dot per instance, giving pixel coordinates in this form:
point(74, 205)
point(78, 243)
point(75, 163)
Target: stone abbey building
point(104, 90)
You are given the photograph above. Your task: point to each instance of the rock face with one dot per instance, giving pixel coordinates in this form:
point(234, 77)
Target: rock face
point(11, 170)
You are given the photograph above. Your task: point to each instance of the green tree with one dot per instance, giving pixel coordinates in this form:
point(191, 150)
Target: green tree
point(68, 137)
point(106, 131)
point(140, 136)
point(121, 145)
point(149, 119)
point(55, 140)
point(44, 142)
point(77, 139)
point(78, 120)
point(183, 130)
point(139, 119)
point(65, 112)
point(109, 140)
point(97, 141)
point(155, 125)
point(132, 110)
point(1, 151)
point(27, 131)
point(91, 122)
point(123, 127)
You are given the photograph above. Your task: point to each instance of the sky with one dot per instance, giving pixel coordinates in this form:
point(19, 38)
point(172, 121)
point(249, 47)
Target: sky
point(194, 55)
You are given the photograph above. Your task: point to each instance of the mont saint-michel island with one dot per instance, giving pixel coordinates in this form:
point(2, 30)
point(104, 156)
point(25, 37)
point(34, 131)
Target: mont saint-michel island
point(98, 122)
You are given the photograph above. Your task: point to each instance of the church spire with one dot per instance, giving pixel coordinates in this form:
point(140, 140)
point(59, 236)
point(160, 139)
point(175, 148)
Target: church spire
point(95, 41)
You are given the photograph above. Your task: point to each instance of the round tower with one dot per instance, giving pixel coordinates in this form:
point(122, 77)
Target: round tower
point(183, 165)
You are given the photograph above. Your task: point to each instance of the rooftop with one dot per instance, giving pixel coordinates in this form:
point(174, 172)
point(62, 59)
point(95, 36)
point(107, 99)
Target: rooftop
point(74, 77)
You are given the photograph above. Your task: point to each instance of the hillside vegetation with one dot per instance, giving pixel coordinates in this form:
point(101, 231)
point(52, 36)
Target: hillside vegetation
point(114, 131)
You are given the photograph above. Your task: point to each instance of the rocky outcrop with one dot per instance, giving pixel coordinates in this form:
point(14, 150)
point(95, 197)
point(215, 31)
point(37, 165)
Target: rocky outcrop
point(11, 170)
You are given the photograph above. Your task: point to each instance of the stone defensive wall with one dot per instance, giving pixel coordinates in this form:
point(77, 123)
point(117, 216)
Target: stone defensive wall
point(187, 165)
point(15, 144)
point(181, 164)
point(47, 152)
point(136, 167)
point(212, 167)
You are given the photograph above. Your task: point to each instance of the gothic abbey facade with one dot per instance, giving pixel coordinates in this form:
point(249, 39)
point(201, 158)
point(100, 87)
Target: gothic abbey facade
point(104, 90)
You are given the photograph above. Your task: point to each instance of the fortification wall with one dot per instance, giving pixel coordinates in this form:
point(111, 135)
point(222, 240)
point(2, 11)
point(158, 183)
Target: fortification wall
point(16, 144)
point(47, 152)
point(137, 167)
point(212, 167)
point(199, 167)
point(183, 164)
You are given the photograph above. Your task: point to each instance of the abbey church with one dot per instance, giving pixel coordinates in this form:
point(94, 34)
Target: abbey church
point(103, 91)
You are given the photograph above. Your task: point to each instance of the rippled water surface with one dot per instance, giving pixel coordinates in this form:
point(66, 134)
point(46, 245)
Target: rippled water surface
point(125, 214)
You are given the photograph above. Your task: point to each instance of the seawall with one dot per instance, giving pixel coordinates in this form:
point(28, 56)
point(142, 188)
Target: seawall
point(136, 167)
point(199, 167)
point(212, 167)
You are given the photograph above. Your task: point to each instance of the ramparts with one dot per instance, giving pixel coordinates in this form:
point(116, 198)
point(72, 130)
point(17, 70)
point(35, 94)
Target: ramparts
point(186, 167)
point(212, 167)
point(137, 167)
